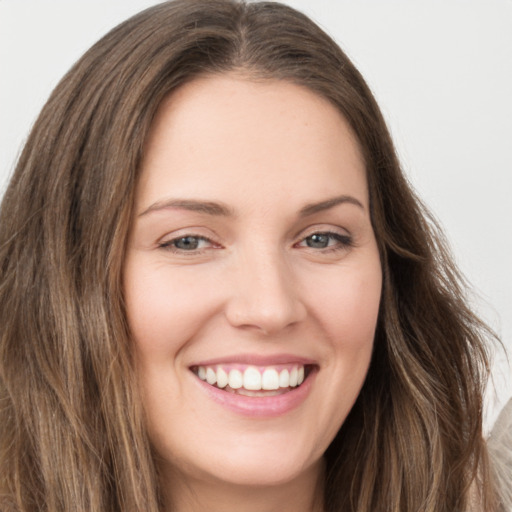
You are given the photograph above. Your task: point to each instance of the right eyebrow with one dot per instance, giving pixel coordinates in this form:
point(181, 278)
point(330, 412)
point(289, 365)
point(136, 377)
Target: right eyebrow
point(311, 209)
point(207, 207)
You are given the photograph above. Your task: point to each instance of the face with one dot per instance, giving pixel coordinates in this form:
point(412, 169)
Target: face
point(252, 280)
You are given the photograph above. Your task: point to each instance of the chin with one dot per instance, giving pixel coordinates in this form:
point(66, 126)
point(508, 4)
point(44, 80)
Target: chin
point(266, 461)
point(263, 471)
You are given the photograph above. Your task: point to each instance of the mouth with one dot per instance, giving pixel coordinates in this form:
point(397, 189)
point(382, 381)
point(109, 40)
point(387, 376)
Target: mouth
point(254, 381)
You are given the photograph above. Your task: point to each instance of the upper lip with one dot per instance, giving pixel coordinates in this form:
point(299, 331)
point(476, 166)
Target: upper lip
point(257, 360)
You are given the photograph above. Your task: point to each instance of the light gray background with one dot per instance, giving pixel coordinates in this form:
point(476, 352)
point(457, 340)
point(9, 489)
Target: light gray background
point(440, 69)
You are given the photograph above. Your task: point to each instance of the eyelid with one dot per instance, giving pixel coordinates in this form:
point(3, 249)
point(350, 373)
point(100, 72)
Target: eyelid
point(343, 239)
point(170, 241)
point(167, 241)
point(341, 235)
point(323, 229)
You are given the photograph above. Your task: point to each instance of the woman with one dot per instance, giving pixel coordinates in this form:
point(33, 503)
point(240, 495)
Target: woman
point(218, 290)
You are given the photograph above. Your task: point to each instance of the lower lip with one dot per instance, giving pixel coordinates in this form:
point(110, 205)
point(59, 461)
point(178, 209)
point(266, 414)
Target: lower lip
point(260, 406)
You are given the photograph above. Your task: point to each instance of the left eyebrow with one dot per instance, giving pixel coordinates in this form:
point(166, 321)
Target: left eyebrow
point(313, 208)
point(206, 207)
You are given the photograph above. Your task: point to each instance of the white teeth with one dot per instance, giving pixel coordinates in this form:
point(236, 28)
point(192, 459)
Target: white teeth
point(300, 378)
point(284, 379)
point(270, 379)
point(236, 380)
point(222, 378)
point(294, 375)
point(211, 376)
point(252, 379)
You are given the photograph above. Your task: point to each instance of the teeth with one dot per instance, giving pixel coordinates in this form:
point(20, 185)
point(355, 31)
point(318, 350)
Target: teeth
point(270, 380)
point(300, 377)
point(294, 376)
point(222, 378)
point(252, 379)
point(235, 380)
point(284, 379)
point(211, 376)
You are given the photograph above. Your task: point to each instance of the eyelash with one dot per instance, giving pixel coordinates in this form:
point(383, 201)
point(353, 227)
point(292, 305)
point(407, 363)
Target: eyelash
point(341, 242)
point(170, 245)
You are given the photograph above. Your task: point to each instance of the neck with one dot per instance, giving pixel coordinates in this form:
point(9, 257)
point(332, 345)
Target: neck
point(302, 494)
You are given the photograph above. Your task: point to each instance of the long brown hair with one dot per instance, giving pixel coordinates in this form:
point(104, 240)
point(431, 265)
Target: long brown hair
point(72, 433)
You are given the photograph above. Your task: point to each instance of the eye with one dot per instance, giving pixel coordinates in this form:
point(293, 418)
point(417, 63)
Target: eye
point(187, 243)
point(326, 240)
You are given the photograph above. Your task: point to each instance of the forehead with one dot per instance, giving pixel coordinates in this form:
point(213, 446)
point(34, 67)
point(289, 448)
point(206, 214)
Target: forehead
point(238, 140)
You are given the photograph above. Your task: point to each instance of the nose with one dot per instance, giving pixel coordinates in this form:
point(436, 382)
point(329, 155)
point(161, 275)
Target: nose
point(264, 294)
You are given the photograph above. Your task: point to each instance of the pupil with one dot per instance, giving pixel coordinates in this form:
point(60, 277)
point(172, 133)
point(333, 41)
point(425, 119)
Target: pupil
point(318, 241)
point(187, 243)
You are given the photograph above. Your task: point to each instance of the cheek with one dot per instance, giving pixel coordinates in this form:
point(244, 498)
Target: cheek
point(346, 304)
point(164, 307)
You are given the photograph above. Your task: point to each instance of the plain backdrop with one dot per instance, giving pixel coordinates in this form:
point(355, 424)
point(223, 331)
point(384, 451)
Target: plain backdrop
point(440, 69)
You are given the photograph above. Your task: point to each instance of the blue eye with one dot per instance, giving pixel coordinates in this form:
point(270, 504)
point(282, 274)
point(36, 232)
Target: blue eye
point(318, 240)
point(188, 243)
point(327, 241)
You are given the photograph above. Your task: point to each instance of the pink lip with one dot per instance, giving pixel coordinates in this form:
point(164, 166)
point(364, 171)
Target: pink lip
point(257, 360)
point(257, 406)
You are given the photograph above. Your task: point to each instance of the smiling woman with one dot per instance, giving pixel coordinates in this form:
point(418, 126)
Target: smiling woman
point(255, 338)
point(219, 293)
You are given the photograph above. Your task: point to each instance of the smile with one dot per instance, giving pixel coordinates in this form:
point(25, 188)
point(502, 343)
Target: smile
point(261, 390)
point(277, 379)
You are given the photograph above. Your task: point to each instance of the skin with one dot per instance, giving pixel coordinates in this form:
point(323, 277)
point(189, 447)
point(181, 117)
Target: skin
point(265, 152)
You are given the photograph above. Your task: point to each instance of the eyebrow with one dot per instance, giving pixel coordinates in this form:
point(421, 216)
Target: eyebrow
point(207, 207)
point(222, 210)
point(311, 209)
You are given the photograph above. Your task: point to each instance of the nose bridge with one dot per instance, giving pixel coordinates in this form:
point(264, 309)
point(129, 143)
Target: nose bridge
point(264, 295)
